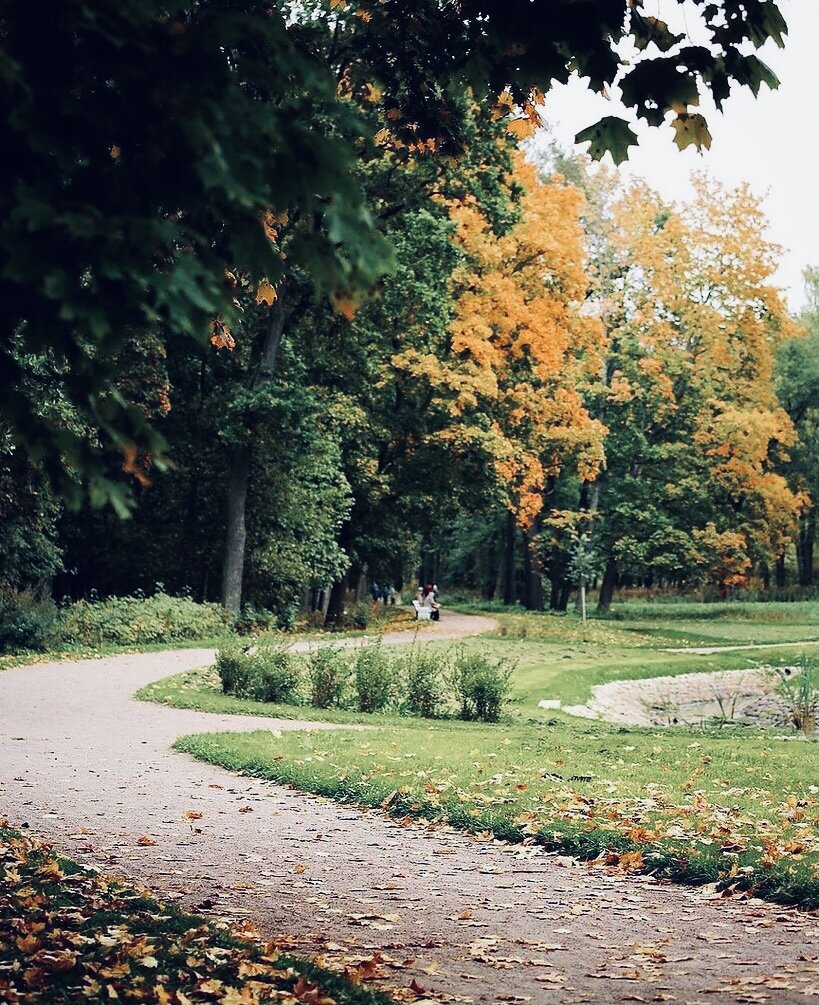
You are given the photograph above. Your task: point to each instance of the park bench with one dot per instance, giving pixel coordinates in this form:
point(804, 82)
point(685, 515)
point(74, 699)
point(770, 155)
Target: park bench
point(422, 613)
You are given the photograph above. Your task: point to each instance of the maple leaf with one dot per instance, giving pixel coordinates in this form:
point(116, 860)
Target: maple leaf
point(610, 134)
point(691, 129)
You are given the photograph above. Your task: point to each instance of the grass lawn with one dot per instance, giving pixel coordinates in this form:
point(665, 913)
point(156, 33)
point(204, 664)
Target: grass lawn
point(69, 935)
point(739, 807)
point(697, 807)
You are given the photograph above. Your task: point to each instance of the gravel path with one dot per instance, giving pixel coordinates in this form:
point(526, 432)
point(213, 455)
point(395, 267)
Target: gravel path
point(90, 769)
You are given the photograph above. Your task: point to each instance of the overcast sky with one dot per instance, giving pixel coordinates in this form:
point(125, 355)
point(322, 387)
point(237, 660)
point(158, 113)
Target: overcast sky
point(771, 141)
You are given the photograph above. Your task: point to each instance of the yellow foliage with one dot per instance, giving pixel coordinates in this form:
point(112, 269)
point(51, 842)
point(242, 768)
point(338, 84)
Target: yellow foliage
point(522, 342)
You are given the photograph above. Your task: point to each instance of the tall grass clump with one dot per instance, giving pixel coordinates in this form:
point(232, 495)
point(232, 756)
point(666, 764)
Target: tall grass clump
point(376, 678)
point(481, 685)
point(264, 672)
point(328, 669)
point(424, 684)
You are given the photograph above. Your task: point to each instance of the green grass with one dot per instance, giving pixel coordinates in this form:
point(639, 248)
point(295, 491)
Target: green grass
point(70, 935)
point(736, 807)
point(545, 669)
point(695, 807)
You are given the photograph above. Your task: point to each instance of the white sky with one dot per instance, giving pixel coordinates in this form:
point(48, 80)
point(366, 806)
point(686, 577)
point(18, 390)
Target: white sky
point(771, 141)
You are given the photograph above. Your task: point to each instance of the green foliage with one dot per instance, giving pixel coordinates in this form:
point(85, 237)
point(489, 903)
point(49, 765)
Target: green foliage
point(29, 552)
point(611, 134)
point(27, 622)
point(375, 678)
point(263, 671)
point(424, 682)
point(799, 687)
point(482, 685)
point(134, 621)
point(328, 669)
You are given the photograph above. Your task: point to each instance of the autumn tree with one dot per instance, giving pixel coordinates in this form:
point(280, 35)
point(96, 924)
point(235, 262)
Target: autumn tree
point(143, 150)
point(695, 429)
point(521, 345)
point(797, 373)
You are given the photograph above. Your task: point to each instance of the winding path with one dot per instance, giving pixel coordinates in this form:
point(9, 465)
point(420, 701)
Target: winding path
point(89, 768)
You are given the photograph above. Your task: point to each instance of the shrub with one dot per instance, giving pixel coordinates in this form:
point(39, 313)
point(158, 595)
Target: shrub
point(376, 678)
point(235, 666)
point(254, 620)
point(423, 680)
point(279, 674)
point(130, 621)
point(329, 672)
point(26, 621)
point(264, 672)
point(359, 614)
point(481, 685)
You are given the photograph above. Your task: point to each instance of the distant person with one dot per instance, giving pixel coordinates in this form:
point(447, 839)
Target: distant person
point(393, 596)
point(385, 593)
point(433, 605)
point(375, 591)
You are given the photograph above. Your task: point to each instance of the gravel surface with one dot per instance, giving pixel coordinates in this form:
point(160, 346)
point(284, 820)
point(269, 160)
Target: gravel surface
point(687, 699)
point(85, 766)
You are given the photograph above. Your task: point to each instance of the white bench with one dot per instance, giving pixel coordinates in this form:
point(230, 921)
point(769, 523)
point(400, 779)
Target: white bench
point(422, 612)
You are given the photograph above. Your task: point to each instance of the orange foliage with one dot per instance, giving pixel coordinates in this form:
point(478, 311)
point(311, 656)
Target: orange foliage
point(521, 342)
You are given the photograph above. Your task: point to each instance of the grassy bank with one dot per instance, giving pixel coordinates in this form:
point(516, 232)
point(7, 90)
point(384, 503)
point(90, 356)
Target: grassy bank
point(69, 935)
point(736, 809)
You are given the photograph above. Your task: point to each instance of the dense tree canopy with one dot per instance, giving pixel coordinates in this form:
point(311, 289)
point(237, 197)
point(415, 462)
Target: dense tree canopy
point(149, 150)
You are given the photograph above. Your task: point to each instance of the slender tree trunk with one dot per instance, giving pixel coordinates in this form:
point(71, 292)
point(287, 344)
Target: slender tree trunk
point(239, 472)
point(804, 546)
point(236, 536)
point(338, 592)
point(335, 606)
point(608, 586)
point(780, 570)
point(532, 580)
point(509, 560)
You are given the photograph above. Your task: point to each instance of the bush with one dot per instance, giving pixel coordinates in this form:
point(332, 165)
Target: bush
point(481, 685)
point(26, 622)
point(424, 683)
point(329, 672)
point(234, 664)
point(376, 678)
point(359, 614)
point(264, 672)
point(133, 621)
point(254, 620)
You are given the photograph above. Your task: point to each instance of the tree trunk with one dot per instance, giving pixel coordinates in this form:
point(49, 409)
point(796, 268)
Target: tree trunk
point(607, 587)
point(239, 473)
point(804, 546)
point(334, 615)
point(236, 536)
point(509, 560)
point(335, 606)
point(780, 570)
point(532, 580)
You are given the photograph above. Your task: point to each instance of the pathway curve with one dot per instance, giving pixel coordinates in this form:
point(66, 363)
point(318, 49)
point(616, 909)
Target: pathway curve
point(87, 767)
point(711, 650)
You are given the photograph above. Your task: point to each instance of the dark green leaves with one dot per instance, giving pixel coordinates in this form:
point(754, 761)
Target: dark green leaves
point(610, 135)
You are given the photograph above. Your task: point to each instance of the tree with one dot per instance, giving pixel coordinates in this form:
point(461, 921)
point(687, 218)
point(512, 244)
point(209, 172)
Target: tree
point(146, 153)
point(797, 373)
point(521, 345)
point(695, 430)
